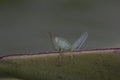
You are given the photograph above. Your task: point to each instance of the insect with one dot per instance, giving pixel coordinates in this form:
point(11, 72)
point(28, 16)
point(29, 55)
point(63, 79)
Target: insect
point(61, 44)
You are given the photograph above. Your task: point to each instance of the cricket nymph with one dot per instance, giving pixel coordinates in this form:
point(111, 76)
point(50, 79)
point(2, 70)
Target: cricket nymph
point(61, 44)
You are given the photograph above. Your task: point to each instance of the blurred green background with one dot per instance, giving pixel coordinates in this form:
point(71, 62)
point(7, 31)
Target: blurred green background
point(24, 24)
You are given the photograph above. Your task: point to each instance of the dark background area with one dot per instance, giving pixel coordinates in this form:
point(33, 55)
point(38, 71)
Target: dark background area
point(24, 24)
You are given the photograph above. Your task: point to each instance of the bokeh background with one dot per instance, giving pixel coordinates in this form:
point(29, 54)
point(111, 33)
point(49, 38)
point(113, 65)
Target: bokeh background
point(24, 24)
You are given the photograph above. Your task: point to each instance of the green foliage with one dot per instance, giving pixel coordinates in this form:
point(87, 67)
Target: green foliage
point(79, 4)
point(11, 2)
point(91, 66)
point(8, 79)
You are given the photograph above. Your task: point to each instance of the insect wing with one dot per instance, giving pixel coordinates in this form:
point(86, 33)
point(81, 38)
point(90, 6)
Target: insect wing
point(77, 44)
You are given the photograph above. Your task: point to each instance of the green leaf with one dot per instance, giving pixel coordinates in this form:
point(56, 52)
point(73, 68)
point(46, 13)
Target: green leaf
point(65, 66)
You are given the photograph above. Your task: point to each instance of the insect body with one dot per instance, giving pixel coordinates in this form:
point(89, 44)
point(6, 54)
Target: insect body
point(62, 44)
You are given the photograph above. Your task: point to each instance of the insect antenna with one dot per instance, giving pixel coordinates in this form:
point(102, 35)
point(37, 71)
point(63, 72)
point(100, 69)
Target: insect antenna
point(51, 39)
